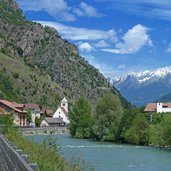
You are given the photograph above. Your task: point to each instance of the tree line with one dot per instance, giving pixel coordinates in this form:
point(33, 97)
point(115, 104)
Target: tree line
point(111, 122)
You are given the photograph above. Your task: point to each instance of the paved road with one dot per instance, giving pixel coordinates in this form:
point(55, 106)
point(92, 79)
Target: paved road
point(3, 164)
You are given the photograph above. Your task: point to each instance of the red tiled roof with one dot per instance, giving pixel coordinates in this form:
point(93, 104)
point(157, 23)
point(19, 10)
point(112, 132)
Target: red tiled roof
point(168, 105)
point(151, 107)
point(12, 106)
point(18, 105)
point(31, 106)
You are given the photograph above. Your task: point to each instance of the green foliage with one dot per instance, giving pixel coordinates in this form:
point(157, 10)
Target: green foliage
point(126, 122)
point(139, 132)
point(15, 75)
point(28, 116)
point(37, 121)
point(161, 132)
point(47, 150)
point(80, 119)
point(6, 86)
point(7, 122)
point(108, 114)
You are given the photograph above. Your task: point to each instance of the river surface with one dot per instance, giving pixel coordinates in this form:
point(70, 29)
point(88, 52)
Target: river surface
point(112, 157)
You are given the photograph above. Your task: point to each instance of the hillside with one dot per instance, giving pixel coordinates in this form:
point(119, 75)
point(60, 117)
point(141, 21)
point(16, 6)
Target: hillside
point(22, 84)
point(46, 53)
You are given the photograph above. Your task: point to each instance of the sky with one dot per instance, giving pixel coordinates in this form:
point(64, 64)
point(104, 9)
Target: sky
point(117, 37)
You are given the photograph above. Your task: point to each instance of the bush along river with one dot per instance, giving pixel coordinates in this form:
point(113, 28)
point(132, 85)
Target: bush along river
point(112, 157)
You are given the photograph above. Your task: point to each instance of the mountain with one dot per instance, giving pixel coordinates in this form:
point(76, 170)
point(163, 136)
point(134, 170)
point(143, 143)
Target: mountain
point(165, 98)
point(148, 86)
point(51, 66)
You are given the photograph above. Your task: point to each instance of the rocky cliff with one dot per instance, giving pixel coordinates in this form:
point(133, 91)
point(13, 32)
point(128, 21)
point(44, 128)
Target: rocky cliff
point(43, 50)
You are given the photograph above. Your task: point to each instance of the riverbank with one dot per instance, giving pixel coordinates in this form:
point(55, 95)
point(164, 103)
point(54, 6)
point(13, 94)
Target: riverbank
point(45, 154)
point(105, 156)
point(44, 130)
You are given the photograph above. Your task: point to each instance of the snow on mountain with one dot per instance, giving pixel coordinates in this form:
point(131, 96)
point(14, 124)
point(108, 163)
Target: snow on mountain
point(145, 76)
point(140, 88)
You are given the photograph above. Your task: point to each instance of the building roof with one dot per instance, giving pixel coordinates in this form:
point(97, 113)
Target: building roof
point(50, 120)
point(11, 106)
point(166, 105)
point(18, 105)
point(151, 107)
point(31, 106)
point(63, 109)
point(64, 100)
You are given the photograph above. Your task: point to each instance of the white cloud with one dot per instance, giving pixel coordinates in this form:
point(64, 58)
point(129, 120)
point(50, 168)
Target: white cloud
point(169, 48)
point(160, 9)
point(85, 46)
point(133, 41)
point(87, 10)
point(78, 34)
point(122, 66)
point(59, 9)
point(101, 44)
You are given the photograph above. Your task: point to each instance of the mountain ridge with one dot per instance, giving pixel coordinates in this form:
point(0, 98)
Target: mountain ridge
point(143, 87)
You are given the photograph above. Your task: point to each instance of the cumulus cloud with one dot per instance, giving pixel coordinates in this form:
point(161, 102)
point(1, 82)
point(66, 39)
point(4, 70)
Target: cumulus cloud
point(78, 34)
point(132, 41)
point(87, 10)
point(85, 46)
point(169, 48)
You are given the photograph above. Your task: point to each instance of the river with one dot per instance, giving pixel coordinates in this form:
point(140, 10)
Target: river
point(113, 157)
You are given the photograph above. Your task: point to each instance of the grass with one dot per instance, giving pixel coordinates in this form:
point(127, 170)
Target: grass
point(28, 84)
point(46, 154)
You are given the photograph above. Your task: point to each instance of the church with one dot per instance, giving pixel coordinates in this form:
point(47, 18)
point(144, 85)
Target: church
point(62, 111)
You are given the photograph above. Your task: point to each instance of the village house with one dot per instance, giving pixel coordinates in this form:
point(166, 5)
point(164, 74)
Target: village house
point(62, 111)
point(35, 111)
point(158, 107)
point(16, 110)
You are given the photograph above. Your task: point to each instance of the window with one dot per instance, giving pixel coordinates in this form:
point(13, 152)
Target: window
point(63, 104)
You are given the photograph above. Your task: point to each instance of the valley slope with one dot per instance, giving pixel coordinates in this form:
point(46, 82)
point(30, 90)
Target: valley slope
point(41, 51)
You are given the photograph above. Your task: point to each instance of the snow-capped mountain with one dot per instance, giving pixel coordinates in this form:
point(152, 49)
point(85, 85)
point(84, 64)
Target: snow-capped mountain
point(148, 86)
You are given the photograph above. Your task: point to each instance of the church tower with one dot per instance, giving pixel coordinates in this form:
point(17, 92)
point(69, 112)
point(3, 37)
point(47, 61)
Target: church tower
point(64, 104)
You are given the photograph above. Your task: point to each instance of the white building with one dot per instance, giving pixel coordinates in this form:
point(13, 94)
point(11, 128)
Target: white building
point(158, 107)
point(62, 111)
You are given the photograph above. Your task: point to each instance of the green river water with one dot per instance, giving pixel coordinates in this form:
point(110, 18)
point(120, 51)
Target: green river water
point(112, 157)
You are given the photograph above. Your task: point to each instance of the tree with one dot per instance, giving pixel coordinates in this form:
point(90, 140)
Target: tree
point(108, 114)
point(139, 132)
point(126, 121)
point(28, 116)
point(161, 132)
point(37, 121)
point(80, 119)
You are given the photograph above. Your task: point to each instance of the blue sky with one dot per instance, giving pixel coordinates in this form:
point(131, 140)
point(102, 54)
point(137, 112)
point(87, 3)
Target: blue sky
point(115, 36)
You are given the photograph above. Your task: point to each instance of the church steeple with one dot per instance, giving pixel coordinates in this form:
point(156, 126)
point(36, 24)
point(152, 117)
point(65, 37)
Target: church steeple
point(64, 104)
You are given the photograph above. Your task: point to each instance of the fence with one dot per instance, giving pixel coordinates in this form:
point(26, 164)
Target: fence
point(15, 160)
